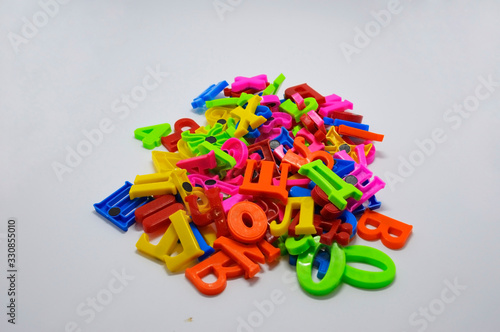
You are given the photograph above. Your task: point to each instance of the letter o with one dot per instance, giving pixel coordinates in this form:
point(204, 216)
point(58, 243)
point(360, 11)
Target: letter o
point(436, 303)
point(104, 293)
point(468, 106)
point(88, 148)
point(369, 31)
point(139, 93)
point(413, 155)
point(43, 16)
point(247, 222)
point(258, 315)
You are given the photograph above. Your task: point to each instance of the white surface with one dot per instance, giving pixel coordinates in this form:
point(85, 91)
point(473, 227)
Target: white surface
point(65, 78)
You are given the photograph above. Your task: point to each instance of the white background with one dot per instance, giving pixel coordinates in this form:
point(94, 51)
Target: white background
point(64, 79)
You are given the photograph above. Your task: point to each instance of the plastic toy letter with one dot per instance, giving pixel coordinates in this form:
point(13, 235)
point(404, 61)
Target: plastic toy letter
point(305, 226)
point(221, 266)
point(391, 232)
point(296, 246)
point(244, 255)
point(333, 275)
point(273, 88)
point(151, 136)
point(305, 91)
point(291, 108)
point(178, 230)
point(368, 279)
point(247, 116)
point(153, 184)
point(119, 207)
point(264, 185)
point(336, 188)
point(247, 211)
